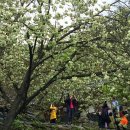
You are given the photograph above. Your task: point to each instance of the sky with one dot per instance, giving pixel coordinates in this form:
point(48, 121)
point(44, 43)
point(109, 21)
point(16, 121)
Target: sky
point(67, 20)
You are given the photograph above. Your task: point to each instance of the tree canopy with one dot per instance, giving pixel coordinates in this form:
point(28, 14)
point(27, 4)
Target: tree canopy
point(52, 47)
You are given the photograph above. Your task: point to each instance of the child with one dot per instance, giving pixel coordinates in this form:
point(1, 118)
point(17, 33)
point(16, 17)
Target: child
point(53, 116)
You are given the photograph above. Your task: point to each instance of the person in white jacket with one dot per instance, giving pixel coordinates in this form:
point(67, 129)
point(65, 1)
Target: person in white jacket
point(115, 105)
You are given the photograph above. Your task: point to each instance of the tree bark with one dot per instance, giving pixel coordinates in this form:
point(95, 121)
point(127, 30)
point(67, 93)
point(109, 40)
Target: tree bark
point(12, 113)
point(19, 101)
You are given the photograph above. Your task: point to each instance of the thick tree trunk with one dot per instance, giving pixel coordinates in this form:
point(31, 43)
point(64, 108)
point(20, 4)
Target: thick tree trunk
point(14, 111)
point(19, 102)
point(21, 97)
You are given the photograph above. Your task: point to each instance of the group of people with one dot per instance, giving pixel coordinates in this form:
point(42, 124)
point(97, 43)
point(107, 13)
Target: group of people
point(108, 118)
point(114, 118)
point(71, 104)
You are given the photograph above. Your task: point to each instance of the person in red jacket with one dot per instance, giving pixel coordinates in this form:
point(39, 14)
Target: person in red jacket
point(71, 105)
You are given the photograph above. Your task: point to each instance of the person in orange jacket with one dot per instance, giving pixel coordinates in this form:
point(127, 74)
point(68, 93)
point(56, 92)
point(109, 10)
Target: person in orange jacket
point(53, 113)
point(124, 121)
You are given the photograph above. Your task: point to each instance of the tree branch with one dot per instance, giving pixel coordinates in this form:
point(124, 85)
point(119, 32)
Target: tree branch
point(49, 4)
point(50, 56)
point(35, 42)
point(124, 4)
point(31, 56)
point(29, 3)
point(68, 33)
point(50, 81)
point(99, 74)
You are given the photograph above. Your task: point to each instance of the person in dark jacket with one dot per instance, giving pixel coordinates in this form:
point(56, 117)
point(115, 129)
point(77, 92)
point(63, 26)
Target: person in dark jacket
point(105, 115)
point(71, 106)
point(101, 123)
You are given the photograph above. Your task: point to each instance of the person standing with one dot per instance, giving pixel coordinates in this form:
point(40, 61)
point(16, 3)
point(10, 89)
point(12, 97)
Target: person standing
point(101, 122)
point(53, 113)
point(124, 121)
point(112, 121)
point(105, 116)
point(116, 112)
point(71, 106)
point(117, 120)
point(115, 105)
